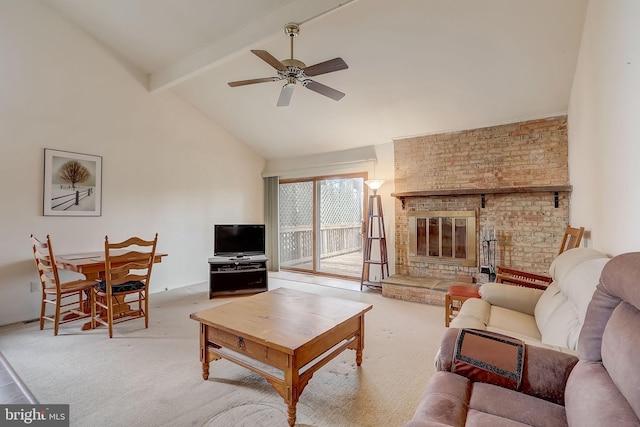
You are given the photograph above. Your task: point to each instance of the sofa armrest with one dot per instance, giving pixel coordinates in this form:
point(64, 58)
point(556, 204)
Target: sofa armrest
point(512, 297)
point(544, 375)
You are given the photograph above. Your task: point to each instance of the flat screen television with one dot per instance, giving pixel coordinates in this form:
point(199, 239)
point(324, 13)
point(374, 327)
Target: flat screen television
point(238, 240)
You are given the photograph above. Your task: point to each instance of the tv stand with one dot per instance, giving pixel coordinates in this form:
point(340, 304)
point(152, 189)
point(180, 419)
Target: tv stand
point(231, 275)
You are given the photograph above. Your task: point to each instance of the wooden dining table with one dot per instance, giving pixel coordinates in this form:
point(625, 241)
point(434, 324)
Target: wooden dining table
point(92, 265)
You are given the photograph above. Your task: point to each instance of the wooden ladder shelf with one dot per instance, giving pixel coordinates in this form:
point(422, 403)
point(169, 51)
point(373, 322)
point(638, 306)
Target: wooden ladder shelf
point(375, 236)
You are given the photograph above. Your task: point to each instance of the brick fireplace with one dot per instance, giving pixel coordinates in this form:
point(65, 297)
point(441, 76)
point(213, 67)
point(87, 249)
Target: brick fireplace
point(513, 177)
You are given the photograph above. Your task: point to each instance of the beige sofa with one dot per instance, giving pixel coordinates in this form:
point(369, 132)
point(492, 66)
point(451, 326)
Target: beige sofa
point(550, 318)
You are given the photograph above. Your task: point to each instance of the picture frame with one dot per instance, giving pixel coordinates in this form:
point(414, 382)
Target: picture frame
point(72, 184)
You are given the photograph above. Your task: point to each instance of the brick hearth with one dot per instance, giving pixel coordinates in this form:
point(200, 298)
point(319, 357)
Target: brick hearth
point(416, 289)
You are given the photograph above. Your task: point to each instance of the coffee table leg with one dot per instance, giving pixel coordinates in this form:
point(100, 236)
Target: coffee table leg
point(208, 357)
point(291, 414)
point(292, 383)
point(205, 356)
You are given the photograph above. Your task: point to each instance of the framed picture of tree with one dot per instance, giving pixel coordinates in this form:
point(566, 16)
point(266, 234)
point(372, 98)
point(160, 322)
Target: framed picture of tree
point(72, 184)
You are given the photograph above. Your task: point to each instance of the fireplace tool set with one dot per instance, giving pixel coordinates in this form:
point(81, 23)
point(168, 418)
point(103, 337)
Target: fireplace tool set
point(489, 246)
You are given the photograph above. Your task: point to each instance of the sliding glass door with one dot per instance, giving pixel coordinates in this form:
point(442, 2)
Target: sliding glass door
point(296, 224)
point(321, 225)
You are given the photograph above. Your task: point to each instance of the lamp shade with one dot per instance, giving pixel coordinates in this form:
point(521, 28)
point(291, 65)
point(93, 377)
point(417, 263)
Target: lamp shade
point(374, 184)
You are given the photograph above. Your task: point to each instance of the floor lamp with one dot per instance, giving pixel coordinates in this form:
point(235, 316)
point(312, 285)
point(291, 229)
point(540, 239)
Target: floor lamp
point(374, 232)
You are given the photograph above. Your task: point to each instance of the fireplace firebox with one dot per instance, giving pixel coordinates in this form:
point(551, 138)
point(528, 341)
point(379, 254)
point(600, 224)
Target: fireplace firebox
point(446, 237)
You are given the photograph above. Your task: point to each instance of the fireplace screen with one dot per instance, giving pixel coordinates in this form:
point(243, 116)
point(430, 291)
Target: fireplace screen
point(444, 236)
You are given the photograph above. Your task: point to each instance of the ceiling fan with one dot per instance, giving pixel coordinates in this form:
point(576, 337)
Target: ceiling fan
point(294, 71)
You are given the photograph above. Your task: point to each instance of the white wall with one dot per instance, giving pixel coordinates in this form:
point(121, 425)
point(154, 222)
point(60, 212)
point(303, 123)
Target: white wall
point(604, 127)
point(166, 168)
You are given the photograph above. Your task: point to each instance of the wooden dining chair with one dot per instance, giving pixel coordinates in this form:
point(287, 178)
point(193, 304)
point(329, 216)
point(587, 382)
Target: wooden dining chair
point(571, 239)
point(67, 298)
point(128, 267)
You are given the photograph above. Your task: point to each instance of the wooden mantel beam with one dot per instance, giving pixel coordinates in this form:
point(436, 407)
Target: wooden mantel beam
point(482, 191)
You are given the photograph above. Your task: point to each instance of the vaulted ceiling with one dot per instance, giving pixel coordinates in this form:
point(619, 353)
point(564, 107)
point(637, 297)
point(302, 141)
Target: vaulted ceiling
point(415, 66)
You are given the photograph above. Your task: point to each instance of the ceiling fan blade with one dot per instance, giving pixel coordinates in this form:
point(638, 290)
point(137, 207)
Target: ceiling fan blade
point(335, 64)
point(253, 81)
point(270, 59)
point(285, 95)
point(336, 95)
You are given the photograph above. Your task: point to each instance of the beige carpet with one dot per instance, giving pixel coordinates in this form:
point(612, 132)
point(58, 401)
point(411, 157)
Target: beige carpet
point(152, 377)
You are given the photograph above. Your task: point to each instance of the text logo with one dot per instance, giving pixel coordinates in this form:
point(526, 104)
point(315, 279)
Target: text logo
point(34, 415)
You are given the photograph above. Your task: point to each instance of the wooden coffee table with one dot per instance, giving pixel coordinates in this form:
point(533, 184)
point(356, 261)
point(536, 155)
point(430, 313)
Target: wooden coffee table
point(295, 332)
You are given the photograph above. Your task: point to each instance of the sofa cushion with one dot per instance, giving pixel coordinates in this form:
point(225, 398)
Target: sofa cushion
point(480, 314)
point(619, 280)
point(561, 309)
point(444, 401)
point(592, 399)
point(549, 303)
point(574, 284)
point(517, 298)
point(620, 342)
point(564, 263)
point(453, 400)
point(558, 321)
point(479, 418)
point(474, 308)
point(514, 322)
point(513, 406)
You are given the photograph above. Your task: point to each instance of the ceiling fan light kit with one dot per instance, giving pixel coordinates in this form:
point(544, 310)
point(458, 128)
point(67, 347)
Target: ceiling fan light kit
point(293, 71)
